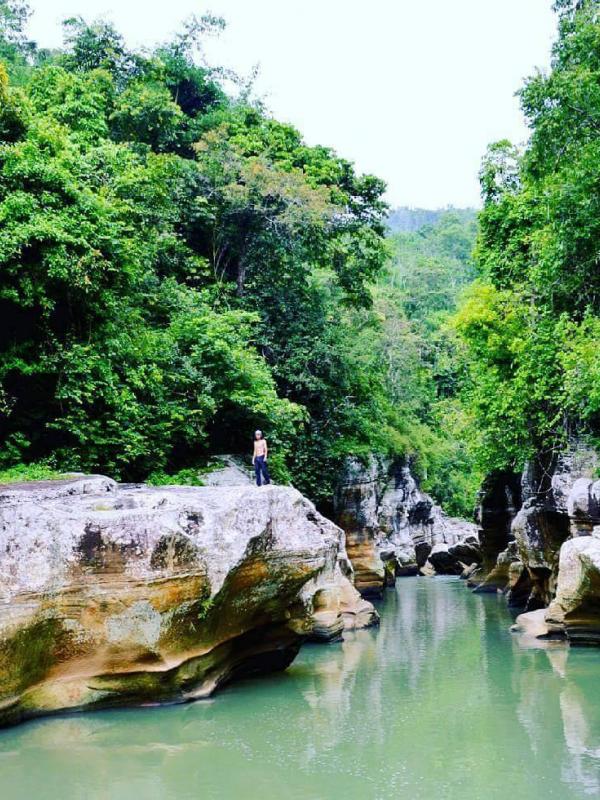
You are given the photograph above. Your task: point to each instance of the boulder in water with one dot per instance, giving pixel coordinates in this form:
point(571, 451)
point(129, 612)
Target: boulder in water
point(532, 625)
point(120, 595)
point(575, 611)
point(391, 525)
point(443, 562)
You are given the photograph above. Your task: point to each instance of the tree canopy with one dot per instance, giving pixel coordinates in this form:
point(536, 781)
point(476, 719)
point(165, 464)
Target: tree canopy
point(532, 321)
point(176, 267)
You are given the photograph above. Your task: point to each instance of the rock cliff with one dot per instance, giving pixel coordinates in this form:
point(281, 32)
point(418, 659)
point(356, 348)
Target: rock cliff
point(540, 539)
point(499, 501)
point(525, 519)
point(113, 595)
point(573, 612)
point(394, 529)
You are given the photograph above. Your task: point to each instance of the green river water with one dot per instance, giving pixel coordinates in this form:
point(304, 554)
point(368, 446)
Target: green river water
point(441, 702)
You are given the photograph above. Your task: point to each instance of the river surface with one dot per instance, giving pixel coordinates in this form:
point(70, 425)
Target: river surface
point(441, 703)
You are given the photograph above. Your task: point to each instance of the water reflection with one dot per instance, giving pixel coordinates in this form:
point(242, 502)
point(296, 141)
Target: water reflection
point(562, 697)
point(442, 702)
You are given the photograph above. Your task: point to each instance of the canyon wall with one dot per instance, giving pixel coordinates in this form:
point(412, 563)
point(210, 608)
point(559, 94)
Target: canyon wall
point(395, 529)
point(540, 540)
point(523, 522)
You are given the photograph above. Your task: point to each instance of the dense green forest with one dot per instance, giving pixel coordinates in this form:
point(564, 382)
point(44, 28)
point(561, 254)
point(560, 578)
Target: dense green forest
point(179, 268)
point(405, 219)
point(416, 299)
point(531, 323)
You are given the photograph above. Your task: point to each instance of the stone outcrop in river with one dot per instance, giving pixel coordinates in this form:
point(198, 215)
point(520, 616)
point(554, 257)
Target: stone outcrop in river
point(114, 595)
point(525, 519)
point(540, 540)
point(574, 611)
point(394, 529)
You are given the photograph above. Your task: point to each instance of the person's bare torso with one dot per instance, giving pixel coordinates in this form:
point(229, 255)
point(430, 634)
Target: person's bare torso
point(260, 447)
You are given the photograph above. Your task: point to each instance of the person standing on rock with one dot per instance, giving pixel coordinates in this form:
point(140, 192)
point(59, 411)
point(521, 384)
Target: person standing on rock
point(259, 458)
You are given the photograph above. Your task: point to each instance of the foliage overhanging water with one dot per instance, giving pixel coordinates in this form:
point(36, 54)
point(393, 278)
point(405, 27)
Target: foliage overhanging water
point(441, 702)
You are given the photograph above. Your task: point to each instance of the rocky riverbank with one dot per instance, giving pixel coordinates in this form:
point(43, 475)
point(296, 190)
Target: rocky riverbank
point(394, 529)
point(129, 594)
point(540, 540)
point(120, 595)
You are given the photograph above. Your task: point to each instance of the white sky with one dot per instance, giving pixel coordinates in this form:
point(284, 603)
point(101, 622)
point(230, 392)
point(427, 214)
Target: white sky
point(411, 90)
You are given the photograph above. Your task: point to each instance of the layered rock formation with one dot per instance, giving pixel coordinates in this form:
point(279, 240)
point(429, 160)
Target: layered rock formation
point(393, 528)
point(525, 519)
point(545, 553)
point(574, 611)
point(113, 595)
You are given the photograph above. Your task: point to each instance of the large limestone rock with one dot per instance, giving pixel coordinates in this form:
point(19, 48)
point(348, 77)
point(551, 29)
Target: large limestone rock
point(575, 611)
point(583, 506)
point(539, 530)
point(553, 564)
point(549, 566)
point(547, 517)
point(574, 614)
point(116, 595)
point(356, 513)
point(392, 526)
point(442, 561)
point(579, 460)
point(337, 607)
point(532, 627)
point(454, 559)
point(524, 525)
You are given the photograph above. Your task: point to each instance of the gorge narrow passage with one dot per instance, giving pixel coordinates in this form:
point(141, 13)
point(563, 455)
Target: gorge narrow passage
point(441, 702)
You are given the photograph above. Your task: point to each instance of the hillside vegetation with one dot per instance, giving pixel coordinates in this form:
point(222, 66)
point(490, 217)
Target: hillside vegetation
point(531, 322)
point(430, 270)
point(178, 268)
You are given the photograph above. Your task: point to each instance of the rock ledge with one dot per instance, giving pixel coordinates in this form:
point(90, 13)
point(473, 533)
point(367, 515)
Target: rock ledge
point(118, 595)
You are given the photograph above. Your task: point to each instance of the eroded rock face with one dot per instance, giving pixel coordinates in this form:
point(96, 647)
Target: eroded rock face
point(499, 501)
point(583, 506)
point(551, 565)
point(454, 559)
point(116, 595)
point(392, 526)
point(575, 611)
point(530, 522)
point(539, 531)
point(574, 614)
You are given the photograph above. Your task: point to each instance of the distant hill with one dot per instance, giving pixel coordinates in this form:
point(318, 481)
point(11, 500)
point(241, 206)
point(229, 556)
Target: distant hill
point(408, 220)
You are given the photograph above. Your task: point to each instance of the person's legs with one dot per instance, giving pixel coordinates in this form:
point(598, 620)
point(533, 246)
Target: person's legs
point(265, 472)
point(257, 469)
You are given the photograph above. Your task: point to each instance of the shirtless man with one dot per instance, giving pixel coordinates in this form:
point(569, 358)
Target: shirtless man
point(259, 458)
